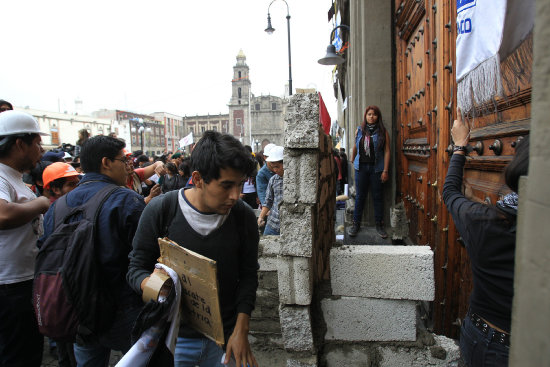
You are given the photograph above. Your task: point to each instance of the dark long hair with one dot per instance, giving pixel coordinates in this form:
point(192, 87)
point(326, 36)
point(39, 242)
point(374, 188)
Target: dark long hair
point(380, 123)
point(519, 165)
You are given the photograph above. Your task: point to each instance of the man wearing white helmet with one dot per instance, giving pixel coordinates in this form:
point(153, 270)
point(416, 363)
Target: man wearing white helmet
point(274, 194)
point(264, 174)
point(20, 227)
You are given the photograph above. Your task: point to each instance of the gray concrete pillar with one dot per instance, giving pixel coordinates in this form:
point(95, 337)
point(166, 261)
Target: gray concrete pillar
point(530, 345)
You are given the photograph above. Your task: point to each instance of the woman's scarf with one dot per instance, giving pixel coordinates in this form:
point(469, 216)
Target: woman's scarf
point(368, 131)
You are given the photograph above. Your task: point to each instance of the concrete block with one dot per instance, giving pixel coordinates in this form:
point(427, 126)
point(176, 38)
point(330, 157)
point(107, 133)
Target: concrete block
point(347, 355)
point(301, 177)
point(295, 280)
point(302, 122)
point(267, 263)
point(445, 353)
point(296, 230)
point(269, 245)
point(369, 319)
point(296, 328)
point(393, 272)
point(302, 362)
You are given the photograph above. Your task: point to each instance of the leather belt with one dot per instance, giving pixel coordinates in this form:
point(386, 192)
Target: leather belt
point(495, 336)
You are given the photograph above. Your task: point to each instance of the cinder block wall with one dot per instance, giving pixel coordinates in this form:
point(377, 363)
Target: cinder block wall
point(368, 314)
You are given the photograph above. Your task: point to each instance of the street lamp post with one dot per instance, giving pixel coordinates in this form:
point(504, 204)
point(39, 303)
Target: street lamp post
point(270, 30)
point(140, 126)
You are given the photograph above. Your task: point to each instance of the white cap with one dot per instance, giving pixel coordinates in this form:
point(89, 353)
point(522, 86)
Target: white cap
point(67, 155)
point(268, 148)
point(275, 154)
point(17, 122)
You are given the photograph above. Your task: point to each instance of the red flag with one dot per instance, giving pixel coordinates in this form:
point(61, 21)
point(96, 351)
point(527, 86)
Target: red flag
point(324, 117)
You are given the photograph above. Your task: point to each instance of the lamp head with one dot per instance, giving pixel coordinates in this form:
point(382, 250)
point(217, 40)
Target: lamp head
point(269, 28)
point(331, 58)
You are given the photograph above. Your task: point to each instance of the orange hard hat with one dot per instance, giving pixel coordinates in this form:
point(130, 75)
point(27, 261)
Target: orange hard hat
point(126, 153)
point(57, 170)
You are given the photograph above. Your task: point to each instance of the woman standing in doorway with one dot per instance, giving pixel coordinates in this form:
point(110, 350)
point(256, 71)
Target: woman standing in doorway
point(371, 161)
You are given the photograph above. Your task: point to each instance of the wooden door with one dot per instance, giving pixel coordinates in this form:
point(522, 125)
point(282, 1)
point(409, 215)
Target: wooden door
point(426, 107)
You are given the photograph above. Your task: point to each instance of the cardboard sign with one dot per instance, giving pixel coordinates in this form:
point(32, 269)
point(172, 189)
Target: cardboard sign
point(200, 302)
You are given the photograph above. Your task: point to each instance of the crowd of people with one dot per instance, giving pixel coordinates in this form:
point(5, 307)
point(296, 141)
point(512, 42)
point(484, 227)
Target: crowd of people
point(38, 188)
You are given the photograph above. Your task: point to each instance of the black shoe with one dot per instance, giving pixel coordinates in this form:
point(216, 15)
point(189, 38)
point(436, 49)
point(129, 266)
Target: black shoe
point(381, 231)
point(352, 232)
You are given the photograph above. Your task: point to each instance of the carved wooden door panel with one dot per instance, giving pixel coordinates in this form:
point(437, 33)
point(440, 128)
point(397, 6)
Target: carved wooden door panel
point(426, 107)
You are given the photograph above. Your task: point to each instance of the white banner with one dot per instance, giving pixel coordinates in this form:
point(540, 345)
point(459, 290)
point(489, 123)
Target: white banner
point(487, 32)
point(187, 140)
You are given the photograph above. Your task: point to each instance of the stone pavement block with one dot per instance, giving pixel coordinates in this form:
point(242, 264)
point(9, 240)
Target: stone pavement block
point(295, 280)
point(394, 272)
point(301, 177)
point(296, 230)
point(310, 361)
point(444, 353)
point(369, 319)
point(296, 328)
point(347, 355)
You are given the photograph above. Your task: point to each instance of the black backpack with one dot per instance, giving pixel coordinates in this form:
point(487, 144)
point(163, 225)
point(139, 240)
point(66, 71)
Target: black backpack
point(68, 296)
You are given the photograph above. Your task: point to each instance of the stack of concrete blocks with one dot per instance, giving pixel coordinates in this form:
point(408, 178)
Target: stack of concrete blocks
point(373, 309)
point(307, 225)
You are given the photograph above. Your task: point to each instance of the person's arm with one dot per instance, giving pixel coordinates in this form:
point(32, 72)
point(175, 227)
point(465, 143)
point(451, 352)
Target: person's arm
point(13, 215)
point(238, 344)
point(154, 192)
point(157, 167)
point(354, 150)
point(246, 293)
point(261, 185)
point(385, 174)
point(464, 211)
point(262, 216)
point(145, 250)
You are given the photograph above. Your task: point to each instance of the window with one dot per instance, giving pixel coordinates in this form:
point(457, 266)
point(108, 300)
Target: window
point(133, 139)
point(238, 122)
point(257, 107)
point(239, 75)
point(239, 92)
point(214, 128)
point(274, 106)
point(203, 129)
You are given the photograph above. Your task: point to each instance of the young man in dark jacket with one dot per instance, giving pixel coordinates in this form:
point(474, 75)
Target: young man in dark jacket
point(104, 161)
point(212, 221)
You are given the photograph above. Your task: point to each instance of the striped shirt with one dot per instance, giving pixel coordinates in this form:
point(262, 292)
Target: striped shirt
point(273, 197)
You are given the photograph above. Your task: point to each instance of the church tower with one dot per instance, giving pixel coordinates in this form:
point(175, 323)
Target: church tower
point(239, 114)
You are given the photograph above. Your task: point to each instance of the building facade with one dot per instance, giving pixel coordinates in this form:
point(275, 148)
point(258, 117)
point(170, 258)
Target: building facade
point(127, 127)
point(255, 121)
point(63, 128)
point(173, 129)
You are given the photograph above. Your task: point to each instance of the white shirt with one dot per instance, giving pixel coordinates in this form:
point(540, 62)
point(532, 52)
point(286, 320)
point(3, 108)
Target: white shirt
point(17, 245)
point(202, 223)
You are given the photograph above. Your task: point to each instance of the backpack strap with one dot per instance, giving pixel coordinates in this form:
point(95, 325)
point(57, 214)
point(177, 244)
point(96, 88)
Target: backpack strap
point(90, 209)
point(169, 210)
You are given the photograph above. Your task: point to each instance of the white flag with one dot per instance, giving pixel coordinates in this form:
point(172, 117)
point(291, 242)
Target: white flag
point(187, 140)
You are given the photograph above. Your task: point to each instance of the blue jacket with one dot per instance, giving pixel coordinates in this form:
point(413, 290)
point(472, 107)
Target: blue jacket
point(262, 179)
point(117, 224)
point(378, 152)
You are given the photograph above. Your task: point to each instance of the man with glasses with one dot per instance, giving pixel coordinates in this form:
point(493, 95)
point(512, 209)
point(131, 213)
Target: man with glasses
point(105, 163)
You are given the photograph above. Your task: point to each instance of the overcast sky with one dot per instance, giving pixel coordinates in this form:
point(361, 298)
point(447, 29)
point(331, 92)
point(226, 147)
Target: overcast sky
point(166, 55)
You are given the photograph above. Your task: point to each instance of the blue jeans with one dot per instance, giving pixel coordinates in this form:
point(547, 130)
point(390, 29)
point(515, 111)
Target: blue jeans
point(270, 231)
point(203, 352)
point(366, 177)
point(477, 349)
point(97, 353)
point(20, 342)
